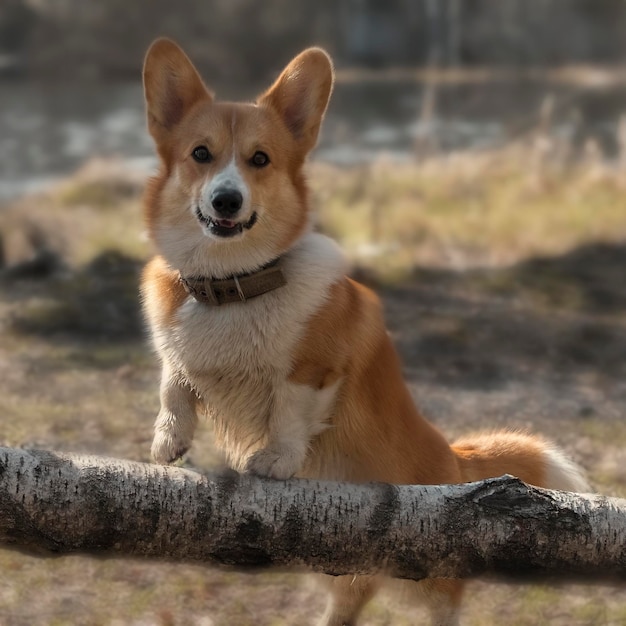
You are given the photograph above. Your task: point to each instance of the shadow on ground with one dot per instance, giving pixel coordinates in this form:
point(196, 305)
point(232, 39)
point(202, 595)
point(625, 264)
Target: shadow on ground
point(98, 302)
point(562, 315)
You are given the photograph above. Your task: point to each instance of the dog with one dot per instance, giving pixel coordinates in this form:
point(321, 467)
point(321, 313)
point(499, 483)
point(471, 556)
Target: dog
point(258, 327)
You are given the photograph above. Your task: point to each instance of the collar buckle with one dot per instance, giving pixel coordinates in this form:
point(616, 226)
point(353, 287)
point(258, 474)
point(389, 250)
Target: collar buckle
point(242, 295)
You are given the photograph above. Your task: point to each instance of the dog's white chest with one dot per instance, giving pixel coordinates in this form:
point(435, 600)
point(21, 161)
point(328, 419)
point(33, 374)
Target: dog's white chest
point(235, 339)
point(237, 356)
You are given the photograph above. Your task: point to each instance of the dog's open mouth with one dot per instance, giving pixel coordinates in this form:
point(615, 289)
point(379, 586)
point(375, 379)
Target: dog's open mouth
point(224, 227)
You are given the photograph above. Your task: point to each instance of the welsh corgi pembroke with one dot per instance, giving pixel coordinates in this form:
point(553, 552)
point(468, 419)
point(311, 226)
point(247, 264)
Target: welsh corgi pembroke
point(258, 327)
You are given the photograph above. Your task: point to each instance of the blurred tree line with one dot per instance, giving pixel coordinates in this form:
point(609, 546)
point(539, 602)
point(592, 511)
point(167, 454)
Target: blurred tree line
point(249, 39)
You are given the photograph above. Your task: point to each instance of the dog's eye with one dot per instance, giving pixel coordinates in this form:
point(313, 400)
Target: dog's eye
point(201, 154)
point(259, 159)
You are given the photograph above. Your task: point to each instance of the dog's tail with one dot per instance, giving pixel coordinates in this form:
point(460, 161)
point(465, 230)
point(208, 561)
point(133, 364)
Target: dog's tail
point(533, 459)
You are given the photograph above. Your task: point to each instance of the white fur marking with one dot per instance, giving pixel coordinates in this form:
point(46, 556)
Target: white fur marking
point(237, 358)
point(228, 178)
point(562, 473)
point(299, 412)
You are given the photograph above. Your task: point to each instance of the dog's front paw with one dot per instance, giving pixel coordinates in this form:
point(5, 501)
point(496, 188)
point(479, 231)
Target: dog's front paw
point(168, 447)
point(274, 463)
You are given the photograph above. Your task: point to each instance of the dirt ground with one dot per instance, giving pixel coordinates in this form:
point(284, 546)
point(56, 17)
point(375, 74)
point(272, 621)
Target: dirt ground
point(82, 378)
point(538, 345)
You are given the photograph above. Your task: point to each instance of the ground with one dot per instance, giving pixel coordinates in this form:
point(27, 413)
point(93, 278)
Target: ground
point(499, 324)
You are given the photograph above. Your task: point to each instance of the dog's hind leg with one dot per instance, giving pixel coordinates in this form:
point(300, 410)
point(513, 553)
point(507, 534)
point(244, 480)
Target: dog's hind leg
point(348, 596)
point(441, 596)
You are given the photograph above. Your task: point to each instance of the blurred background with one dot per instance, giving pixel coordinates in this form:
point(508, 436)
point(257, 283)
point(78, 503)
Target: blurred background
point(473, 166)
point(71, 70)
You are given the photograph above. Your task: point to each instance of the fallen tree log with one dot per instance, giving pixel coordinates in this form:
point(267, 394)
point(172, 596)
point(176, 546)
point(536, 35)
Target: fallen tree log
point(54, 504)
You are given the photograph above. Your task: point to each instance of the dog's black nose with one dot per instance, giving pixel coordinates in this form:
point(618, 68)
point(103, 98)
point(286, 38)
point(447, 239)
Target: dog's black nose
point(227, 201)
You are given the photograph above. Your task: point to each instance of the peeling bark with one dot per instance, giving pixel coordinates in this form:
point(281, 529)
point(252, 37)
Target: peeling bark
point(57, 504)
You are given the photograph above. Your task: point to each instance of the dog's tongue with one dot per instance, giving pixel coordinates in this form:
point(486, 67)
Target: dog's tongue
point(227, 223)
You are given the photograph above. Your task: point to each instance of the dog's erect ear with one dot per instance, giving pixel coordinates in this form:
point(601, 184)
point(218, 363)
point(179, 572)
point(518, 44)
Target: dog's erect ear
point(300, 94)
point(171, 86)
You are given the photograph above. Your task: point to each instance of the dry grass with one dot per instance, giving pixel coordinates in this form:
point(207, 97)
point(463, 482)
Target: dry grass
point(76, 374)
point(96, 210)
point(471, 209)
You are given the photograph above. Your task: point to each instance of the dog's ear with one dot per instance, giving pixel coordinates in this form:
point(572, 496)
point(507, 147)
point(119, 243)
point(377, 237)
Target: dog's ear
point(301, 93)
point(171, 86)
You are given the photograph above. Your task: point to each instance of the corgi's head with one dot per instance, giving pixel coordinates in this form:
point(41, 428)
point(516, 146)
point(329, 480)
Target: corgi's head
point(230, 195)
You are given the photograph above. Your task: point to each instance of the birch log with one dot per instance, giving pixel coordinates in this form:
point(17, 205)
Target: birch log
point(55, 504)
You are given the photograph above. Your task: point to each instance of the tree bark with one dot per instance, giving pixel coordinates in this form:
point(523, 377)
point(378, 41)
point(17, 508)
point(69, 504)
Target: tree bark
point(55, 504)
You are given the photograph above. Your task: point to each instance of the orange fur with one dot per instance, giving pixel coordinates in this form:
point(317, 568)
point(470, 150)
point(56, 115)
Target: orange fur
point(163, 293)
point(487, 455)
point(304, 380)
point(377, 432)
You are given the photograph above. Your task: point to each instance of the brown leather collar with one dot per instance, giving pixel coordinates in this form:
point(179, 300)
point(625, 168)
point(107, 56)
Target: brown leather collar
point(238, 288)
